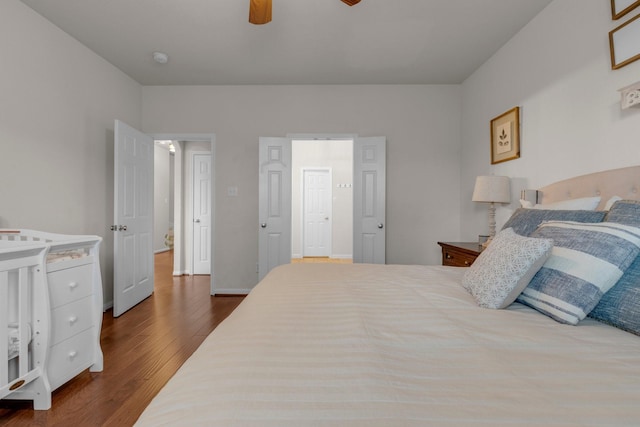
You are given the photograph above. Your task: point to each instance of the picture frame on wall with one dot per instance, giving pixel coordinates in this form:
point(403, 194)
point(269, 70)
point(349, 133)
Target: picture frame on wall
point(623, 43)
point(505, 136)
point(619, 8)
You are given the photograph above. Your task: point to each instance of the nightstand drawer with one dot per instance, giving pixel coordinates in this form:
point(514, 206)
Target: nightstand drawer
point(459, 254)
point(456, 259)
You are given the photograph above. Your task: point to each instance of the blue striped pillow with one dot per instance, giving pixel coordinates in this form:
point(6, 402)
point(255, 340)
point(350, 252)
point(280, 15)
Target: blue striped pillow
point(587, 259)
point(620, 307)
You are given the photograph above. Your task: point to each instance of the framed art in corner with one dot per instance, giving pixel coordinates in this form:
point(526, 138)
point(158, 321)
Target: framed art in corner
point(505, 136)
point(623, 42)
point(619, 8)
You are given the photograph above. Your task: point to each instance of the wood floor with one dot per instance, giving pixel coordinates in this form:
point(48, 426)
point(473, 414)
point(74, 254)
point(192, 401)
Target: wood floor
point(142, 349)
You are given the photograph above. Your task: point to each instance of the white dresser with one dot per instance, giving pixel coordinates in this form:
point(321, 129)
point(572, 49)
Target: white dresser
point(75, 320)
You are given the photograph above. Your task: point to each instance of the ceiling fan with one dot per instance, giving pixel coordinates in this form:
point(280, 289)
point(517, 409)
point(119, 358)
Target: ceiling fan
point(260, 10)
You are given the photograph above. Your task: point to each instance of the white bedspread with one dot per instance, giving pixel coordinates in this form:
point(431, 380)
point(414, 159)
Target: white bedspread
point(374, 345)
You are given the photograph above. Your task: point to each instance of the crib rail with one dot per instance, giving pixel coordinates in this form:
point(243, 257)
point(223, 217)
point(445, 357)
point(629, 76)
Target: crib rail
point(24, 303)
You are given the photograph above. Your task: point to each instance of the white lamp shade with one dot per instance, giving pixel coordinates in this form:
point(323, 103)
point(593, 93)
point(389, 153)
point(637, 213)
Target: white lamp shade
point(490, 188)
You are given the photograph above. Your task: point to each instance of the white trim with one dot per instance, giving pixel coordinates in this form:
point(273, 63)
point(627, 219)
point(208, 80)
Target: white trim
point(159, 251)
point(342, 256)
point(321, 136)
point(232, 292)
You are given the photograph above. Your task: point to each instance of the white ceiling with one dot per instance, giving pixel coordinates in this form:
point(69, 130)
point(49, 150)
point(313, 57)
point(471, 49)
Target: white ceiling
point(211, 42)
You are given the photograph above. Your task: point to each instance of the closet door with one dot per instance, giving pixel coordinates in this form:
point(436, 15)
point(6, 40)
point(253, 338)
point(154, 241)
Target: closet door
point(369, 213)
point(274, 210)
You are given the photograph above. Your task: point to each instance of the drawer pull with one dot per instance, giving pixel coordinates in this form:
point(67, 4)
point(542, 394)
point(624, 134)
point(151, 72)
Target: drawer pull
point(449, 256)
point(467, 263)
point(73, 285)
point(73, 319)
point(72, 354)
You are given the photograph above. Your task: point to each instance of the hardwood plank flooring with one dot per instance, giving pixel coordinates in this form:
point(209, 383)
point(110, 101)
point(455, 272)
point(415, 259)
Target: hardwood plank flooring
point(142, 349)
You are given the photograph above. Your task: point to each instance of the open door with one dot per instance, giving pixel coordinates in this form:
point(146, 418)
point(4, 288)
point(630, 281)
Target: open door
point(133, 218)
point(274, 210)
point(369, 213)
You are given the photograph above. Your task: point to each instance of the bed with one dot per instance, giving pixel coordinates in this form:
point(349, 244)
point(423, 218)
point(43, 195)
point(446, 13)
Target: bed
point(391, 345)
point(51, 317)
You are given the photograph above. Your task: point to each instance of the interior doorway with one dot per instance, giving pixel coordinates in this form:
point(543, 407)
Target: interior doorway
point(189, 203)
point(315, 231)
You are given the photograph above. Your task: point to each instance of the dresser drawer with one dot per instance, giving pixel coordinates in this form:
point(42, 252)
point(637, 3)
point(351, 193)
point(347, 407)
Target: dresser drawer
point(69, 284)
point(70, 357)
point(71, 319)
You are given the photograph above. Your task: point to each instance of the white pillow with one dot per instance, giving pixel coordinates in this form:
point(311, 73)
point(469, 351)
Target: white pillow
point(583, 203)
point(505, 268)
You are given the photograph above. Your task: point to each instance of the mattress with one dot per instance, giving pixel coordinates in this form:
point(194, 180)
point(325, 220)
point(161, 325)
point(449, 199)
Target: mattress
point(387, 345)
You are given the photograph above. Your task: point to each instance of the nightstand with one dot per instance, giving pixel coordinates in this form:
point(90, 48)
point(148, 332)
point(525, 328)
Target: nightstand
point(460, 254)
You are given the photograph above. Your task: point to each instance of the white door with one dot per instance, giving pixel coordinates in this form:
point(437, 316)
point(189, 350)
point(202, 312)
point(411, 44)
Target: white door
point(317, 212)
point(202, 214)
point(274, 206)
point(133, 218)
point(369, 177)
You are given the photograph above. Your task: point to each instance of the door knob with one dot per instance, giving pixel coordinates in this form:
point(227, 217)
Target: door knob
point(122, 228)
point(380, 225)
point(263, 225)
point(326, 218)
point(197, 220)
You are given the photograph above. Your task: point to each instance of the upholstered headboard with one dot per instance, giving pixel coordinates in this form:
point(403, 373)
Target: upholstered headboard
point(623, 182)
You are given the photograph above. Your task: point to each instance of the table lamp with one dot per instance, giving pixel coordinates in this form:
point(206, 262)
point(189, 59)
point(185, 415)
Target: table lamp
point(492, 189)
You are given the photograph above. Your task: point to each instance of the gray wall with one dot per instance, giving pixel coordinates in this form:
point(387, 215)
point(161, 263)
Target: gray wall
point(57, 110)
point(421, 123)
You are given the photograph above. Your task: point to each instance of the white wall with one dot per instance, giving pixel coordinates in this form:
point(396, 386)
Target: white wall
point(557, 69)
point(338, 157)
point(162, 185)
point(57, 109)
point(421, 123)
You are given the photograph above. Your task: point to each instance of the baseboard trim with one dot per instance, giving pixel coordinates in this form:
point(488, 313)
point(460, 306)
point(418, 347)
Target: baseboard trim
point(231, 292)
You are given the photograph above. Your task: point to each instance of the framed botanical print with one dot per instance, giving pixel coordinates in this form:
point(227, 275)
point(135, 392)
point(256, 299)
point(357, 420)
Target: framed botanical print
point(505, 136)
point(623, 42)
point(620, 8)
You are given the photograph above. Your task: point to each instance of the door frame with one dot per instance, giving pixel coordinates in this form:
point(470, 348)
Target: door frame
point(179, 229)
point(303, 207)
point(324, 137)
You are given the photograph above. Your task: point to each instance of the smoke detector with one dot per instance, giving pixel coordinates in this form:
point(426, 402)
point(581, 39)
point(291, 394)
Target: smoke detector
point(160, 58)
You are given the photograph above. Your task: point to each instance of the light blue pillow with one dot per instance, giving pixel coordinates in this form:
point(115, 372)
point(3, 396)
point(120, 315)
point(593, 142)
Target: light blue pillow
point(525, 221)
point(586, 261)
point(620, 307)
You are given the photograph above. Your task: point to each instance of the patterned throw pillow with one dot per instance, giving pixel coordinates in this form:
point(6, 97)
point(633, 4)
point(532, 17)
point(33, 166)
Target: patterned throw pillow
point(504, 268)
point(586, 261)
point(525, 221)
point(620, 307)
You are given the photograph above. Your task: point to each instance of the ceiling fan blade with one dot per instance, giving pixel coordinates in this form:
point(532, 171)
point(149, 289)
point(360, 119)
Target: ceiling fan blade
point(260, 11)
point(351, 2)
